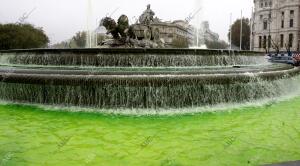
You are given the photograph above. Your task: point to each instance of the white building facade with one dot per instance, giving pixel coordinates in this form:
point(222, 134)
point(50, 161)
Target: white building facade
point(276, 24)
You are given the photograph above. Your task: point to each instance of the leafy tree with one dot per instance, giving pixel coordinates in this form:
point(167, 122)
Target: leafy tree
point(245, 35)
point(220, 44)
point(80, 39)
point(65, 44)
point(22, 36)
point(180, 43)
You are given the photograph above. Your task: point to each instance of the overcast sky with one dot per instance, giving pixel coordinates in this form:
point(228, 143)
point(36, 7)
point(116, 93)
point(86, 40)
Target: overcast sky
point(61, 19)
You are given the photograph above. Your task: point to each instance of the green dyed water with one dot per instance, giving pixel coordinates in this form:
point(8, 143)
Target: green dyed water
point(244, 136)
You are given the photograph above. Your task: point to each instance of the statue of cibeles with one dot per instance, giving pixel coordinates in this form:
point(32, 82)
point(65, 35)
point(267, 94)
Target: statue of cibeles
point(148, 16)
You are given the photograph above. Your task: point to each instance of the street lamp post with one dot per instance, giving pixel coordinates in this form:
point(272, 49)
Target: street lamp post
point(230, 42)
point(251, 29)
point(241, 31)
point(269, 22)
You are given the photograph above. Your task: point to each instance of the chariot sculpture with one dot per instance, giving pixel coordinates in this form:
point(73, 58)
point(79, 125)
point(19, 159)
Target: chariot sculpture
point(141, 34)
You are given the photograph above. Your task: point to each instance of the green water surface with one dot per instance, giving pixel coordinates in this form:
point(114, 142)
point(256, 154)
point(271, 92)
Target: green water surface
point(246, 136)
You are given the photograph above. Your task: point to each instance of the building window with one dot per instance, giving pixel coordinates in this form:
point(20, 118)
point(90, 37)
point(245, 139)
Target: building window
point(270, 4)
point(259, 42)
point(261, 17)
point(281, 40)
point(265, 42)
point(282, 15)
point(291, 23)
point(261, 5)
point(265, 25)
point(291, 39)
point(270, 15)
point(282, 23)
point(292, 13)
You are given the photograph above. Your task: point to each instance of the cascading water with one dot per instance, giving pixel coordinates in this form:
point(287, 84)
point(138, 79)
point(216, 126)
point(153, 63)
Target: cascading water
point(141, 78)
point(132, 58)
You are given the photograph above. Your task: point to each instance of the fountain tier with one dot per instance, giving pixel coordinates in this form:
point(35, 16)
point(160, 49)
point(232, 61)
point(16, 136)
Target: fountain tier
point(102, 78)
point(130, 57)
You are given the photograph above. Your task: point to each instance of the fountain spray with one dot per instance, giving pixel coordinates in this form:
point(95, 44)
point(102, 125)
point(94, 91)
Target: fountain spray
point(195, 18)
point(88, 28)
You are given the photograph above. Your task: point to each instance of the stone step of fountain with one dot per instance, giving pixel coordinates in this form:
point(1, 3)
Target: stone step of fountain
point(144, 80)
point(142, 71)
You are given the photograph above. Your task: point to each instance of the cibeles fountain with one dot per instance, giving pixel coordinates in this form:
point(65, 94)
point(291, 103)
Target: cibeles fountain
point(141, 78)
point(139, 35)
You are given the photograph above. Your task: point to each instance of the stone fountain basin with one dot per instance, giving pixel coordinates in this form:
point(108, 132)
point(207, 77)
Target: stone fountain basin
point(144, 76)
point(141, 78)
